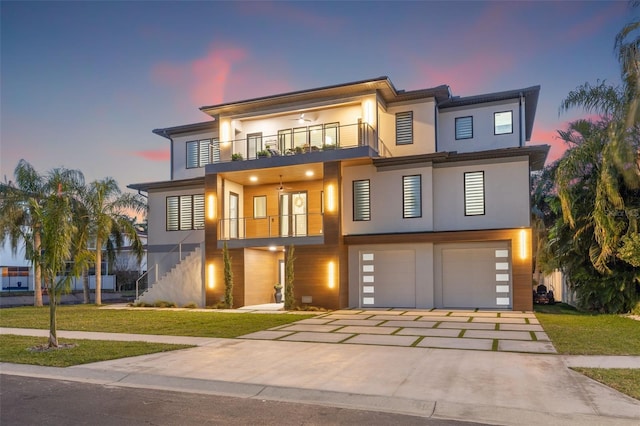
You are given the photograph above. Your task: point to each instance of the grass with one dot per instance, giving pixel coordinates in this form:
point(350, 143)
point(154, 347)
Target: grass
point(142, 321)
point(15, 349)
point(577, 333)
point(624, 380)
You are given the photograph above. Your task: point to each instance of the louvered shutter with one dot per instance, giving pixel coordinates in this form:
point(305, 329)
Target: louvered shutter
point(404, 128)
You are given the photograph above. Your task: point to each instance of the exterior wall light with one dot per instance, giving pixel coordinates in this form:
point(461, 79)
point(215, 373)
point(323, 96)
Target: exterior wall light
point(211, 206)
point(523, 244)
point(331, 198)
point(331, 270)
point(211, 276)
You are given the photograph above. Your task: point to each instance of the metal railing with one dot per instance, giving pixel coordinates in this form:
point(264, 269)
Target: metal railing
point(296, 225)
point(169, 260)
point(303, 141)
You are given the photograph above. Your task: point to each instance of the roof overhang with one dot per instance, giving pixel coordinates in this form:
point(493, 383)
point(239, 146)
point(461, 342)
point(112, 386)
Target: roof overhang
point(195, 127)
point(381, 85)
point(537, 156)
point(167, 184)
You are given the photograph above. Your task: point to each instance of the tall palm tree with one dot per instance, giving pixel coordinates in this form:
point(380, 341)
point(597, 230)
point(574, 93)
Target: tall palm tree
point(21, 203)
point(106, 208)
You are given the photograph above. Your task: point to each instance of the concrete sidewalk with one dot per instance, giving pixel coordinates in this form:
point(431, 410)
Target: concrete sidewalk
point(490, 387)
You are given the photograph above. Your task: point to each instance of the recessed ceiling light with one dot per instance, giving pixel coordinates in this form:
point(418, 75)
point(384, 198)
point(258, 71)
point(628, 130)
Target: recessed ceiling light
point(253, 178)
point(272, 248)
point(309, 173)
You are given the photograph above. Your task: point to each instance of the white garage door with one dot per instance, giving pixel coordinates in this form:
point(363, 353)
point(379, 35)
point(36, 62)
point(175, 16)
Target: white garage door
point(387, 278)
point(474, 275)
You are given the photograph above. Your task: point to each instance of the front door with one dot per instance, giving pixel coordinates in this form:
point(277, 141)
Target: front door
point(234, 205)
point(254, 145)
point(293, 214)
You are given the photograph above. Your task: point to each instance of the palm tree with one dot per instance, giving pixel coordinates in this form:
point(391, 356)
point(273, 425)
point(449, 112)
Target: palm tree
point(21, 204)
point(58, 231)
point(106, 207)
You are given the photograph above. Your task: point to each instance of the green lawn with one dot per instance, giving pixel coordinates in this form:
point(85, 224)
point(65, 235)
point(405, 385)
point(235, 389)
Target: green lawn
point(577, 333)
point(142, 321)
point(15, 349)
point(624, 380)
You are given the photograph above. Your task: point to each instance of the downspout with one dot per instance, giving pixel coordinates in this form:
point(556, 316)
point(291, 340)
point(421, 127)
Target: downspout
point(522, 129)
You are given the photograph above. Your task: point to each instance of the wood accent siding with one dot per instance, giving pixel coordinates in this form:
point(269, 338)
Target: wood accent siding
point(260, 227)
point(311, 275)
point(521, 268)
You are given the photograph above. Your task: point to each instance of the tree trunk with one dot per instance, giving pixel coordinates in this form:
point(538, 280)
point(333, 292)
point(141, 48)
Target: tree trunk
point(85, 286)
point(53, 301)
point(98, 296)
point(37, 270)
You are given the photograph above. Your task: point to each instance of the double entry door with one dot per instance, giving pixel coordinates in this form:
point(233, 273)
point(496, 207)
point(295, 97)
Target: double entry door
point(293, 214)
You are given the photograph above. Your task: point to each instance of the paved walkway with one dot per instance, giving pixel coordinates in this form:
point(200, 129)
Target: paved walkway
point(476, 330)
point(497, 387)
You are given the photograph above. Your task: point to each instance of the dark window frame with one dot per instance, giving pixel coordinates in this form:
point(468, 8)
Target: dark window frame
point(198, 143)
point(256, 198)
point(456, 127)
point(404, 197)
point(193, 219)
point(484, 193)
point(355, 204)
point(494, 123)
point(400, 116)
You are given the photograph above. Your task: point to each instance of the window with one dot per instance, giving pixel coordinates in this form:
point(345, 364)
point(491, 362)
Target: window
point(198, 153)
point(254, 145)
point(473, 193)
point(361, 200)
point(260, 207)
point(215, 150)
point(404, 128)
point(299, 137)
point(185, 212)
point(464, 127)
point(502, 122)
point(411, 196)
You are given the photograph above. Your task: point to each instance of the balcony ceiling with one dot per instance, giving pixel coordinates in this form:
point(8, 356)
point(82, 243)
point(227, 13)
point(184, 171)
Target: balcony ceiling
point(271, 175)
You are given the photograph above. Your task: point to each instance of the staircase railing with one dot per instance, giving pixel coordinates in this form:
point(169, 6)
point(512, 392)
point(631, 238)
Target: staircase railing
point(164, 265)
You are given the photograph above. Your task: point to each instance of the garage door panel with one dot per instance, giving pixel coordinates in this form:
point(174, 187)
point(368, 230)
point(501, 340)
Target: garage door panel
point(387, 278)
point(472, 276)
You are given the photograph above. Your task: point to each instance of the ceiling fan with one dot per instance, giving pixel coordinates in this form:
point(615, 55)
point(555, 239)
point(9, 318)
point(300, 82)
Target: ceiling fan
point(301, 119)
point(282, 187)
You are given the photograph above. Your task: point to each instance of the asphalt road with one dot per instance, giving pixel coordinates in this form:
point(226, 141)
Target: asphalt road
point(30, 401)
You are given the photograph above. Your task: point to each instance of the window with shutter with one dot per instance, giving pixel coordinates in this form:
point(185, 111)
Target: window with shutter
point(473, 193)
point(198, 211)
point(404, 128)
point(361, 200)
point(464, 127)
point(411, 196)
point(173, 215)
point(192, 154)
point(185, 212)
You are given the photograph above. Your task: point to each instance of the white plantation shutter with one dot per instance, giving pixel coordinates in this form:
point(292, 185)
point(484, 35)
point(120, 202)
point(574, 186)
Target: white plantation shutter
point(464, 127)
point(404, 128)
point(172, 213)
point(192, 154)
point(411, 196)
point(361, 200)
point(474, 193)
point(198, 211)
point(186, 209)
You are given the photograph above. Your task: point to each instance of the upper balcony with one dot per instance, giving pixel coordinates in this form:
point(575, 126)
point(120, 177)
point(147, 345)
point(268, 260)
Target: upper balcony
point(305, 144)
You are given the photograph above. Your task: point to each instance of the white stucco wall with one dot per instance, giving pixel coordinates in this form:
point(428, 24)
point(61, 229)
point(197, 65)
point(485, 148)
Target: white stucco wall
point(424, 129)
point(386, 200)
point(179, 154)
point(483, 127)
point(506, 195)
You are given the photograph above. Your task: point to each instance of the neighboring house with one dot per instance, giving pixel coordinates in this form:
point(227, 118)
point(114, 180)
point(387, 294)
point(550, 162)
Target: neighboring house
point(411, 199)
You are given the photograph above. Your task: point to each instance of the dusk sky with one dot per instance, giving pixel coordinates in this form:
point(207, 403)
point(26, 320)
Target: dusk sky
point(84, 83)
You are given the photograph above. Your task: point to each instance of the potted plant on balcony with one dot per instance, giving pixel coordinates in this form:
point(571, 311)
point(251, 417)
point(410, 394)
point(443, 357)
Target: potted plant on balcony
point(236, 157)
point(264, 153)
point(278, 295)
point(328, 146)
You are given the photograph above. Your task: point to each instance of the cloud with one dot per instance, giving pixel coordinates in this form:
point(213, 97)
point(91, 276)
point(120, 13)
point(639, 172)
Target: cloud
point(594, 24)
point(154, 154)
point(224, 73)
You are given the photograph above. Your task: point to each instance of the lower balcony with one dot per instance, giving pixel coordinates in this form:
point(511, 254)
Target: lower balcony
point(275, 230)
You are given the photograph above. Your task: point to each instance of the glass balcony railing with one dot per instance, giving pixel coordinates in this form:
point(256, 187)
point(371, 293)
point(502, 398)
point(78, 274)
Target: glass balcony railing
point(295, 225)
point(312, 138)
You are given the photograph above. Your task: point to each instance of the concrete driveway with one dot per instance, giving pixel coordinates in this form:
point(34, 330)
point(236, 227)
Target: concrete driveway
point(473, 329)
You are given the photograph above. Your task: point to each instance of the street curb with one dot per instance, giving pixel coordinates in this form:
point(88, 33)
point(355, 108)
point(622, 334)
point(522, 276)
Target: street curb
point(428, 409)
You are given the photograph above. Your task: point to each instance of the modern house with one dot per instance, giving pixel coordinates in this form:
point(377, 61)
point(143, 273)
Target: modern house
point(392, 198)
